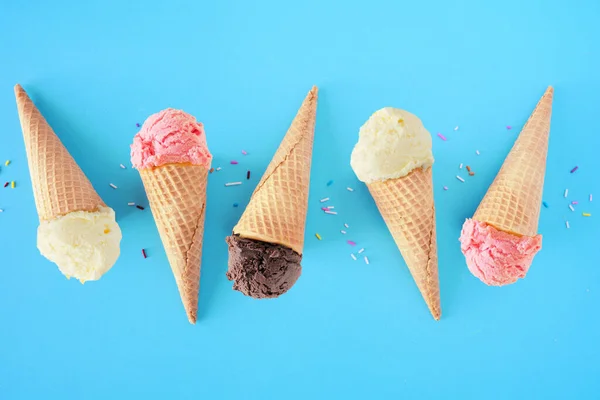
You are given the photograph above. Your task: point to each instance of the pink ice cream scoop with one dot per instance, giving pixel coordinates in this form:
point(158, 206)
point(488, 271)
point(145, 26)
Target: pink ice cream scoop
point(170, 137)
point(494, 256)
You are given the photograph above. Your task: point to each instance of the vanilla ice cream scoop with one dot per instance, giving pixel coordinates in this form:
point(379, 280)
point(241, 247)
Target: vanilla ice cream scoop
point(84, 245)
point(391, 144)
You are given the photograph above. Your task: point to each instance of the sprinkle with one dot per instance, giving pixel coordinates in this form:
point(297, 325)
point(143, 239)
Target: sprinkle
point(477, 152)
point(318, 236)
point(218, 168)
point(7, 183)
point(508, 127)
point(442, 136)
point(351, 243)
point(590, 197)
point(571, 207)
point(346, 225)
point(144, 253)
point(567, 224)
point(137, 124)
point(456, 128)
point(353, 256)
point(7, 163)
point(366, 260)
point(545, 204)
point(574, 169)
point(140, 207)
point(329, 183)
point(122, 166)
point(235, 204)
point(131, 204)
point(566, 193)
point(468, 168)
point(350, 189)
point(233, 183)
point(244, 152)
point(361, 250)
point(248, 175)
point(1, 210)
point(324, 199)
point(234, 162)
point(445, 187)
point(471, 173)
point(343, 232)
point(459, 178)
point(574, 202)
point(212, 170)
point(112, 185)
point(460, 166)
point(330, 212)
point(324, 208)
point(12, 184)
point(586, 214)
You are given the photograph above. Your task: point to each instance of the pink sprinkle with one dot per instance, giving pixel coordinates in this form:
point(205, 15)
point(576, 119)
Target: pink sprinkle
point(234, 162)
point(442, 136)
point(351, 243)
point(574, 202)
point(445, 187)
point(508, 127)
point(244, 152)
point(325, 208)
point(574, 169)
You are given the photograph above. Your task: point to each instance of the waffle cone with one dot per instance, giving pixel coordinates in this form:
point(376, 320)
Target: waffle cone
point(276, 212)
point(408, 210)
point(59, 185)
point(513, 201)
point(177, 196)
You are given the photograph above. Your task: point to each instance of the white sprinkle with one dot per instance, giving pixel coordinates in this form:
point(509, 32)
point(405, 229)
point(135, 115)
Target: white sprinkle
point(113, 186)
point(566, 193)
point(350, 189)
point(131, 204)
point(361, 250)
point(343, 232)
point(330, 212)
point(460, 166)
point(571, 207)
point(353, 256)
point(330, 207)
point(346, 225)
point(325, 199)
point(567, 224)
point(366, 260)
point(218, 168)
point(456, 128)
point(1, 210)
point(477, 152)
point(122, 166)
point(459, 178)
point(590, 197)
point(233, 183)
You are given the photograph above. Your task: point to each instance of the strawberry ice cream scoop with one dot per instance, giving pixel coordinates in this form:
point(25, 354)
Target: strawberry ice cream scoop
point(496, 257)
point(170, 137)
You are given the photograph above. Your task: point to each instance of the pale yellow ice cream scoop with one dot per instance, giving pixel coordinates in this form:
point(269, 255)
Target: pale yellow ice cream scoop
point(391, 144)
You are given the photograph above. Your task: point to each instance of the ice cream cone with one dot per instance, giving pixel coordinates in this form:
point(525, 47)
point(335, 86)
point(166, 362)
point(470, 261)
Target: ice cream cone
point(408, 210)
point(59, 185)
point(177, 196)
point(513, 201)
point(276, 212)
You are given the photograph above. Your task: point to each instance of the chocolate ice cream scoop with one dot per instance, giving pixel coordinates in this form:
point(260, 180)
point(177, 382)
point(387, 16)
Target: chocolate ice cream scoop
point(260, 269)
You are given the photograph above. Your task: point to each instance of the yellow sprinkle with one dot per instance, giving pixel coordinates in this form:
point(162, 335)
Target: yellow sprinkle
point(7, 163)
point(12, 185)
point(106, 231)
point(586, 214)
point(318, 236)
point(401, 121)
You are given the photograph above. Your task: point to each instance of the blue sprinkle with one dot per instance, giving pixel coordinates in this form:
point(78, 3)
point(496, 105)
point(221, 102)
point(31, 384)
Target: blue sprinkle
point(329, 183)
point(545, 204)
point(235, 204)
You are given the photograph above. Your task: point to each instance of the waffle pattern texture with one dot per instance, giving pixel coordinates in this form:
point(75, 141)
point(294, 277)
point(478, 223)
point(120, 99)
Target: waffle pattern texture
point(276, 212)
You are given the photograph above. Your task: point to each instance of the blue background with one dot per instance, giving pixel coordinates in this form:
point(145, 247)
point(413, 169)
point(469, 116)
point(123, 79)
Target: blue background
point(347, 329)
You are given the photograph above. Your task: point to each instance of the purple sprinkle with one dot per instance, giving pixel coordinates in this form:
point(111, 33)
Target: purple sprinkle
point(445, 187)
point(508, 127)
point(442, 136)
point(351, 243)
point(234, 162)
point(137, 124)
point(574, 169)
